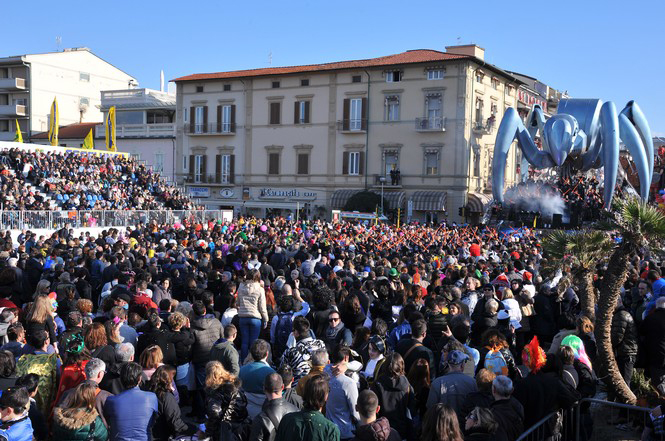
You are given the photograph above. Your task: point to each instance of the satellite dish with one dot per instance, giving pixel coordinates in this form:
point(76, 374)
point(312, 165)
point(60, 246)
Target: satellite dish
point(83, 108)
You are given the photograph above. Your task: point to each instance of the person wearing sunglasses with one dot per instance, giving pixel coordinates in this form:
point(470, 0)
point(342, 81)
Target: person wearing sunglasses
point(480, 425)
point(336, 333)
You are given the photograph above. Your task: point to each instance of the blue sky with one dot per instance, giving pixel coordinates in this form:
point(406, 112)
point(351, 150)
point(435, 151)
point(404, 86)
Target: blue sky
point(608, 49)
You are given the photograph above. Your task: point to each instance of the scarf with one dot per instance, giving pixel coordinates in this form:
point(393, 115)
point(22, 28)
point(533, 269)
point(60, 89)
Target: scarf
point(331, 333)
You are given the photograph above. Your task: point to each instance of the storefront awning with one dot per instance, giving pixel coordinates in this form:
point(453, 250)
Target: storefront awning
point(395, 199)
point(339, 198)
point(478, 202)
point(429, 200)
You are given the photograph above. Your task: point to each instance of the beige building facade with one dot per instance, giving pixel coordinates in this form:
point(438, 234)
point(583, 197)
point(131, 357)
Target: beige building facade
point(418, 126)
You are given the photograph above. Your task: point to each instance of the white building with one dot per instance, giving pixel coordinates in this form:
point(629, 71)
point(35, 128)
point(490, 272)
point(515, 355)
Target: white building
point(145, 126)
point(76, 77)
point(277, 139)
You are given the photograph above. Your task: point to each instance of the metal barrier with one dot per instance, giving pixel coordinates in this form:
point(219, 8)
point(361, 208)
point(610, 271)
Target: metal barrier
point(555, 426)
point(613, 421)
point(594, 420)
point(19, 220)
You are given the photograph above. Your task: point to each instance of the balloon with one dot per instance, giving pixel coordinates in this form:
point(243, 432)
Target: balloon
point(263, 228)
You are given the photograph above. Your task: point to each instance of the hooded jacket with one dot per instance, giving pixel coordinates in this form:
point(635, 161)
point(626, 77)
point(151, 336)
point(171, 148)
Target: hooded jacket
point(207, 330)
point(77, 425)
point(395, 397)
point(379, 430)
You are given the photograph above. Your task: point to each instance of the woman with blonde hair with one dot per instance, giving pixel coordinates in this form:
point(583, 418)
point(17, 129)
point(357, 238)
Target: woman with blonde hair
point(252, 310)
point(585, 330)
point(39, 317)
point(225, 402)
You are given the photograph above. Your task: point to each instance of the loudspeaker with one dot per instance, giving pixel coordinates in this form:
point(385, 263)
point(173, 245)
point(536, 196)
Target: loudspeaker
point(557, 220)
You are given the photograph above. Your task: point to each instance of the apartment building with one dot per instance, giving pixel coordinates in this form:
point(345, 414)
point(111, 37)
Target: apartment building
point(28, 84)
point(418, 126)
point(145, 126)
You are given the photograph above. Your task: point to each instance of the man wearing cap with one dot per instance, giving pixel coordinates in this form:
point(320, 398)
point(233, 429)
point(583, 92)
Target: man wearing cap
point(452, 388)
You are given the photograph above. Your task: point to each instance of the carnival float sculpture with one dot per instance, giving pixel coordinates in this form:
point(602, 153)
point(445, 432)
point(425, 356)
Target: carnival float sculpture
point(584, 134)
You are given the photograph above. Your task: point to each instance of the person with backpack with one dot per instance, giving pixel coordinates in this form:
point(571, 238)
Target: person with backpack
point(495, 355)
point(282, 325)
point(411, 349)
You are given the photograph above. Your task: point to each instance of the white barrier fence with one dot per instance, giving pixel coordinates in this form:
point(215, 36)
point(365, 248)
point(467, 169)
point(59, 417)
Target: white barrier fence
point(30, 220)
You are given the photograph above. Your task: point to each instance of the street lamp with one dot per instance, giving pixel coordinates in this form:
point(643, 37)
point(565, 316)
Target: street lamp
point(382, 179)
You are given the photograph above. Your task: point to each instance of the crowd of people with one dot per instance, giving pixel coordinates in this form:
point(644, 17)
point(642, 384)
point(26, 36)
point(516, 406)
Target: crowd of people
point(76, 181)
point(289, 331)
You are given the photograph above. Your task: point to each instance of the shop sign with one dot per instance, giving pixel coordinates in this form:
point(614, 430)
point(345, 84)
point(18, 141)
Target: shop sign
point(276, 193)
point(199, 192)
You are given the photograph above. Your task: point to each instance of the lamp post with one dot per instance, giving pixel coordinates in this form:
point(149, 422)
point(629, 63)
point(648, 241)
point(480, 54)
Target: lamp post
point(382, 179)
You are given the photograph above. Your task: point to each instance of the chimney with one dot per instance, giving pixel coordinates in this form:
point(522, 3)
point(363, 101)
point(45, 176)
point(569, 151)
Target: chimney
point(161, 81)
point(472, 50)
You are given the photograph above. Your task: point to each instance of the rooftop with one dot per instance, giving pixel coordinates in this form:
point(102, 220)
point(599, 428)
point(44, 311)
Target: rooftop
point(72, 131)
point(408, 57)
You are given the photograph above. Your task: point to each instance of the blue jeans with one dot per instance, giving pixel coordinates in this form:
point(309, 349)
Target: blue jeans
point(250, 328)
point(185, 376)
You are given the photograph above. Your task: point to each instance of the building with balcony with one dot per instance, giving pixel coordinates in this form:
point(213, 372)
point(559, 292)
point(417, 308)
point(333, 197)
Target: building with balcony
point(28, 84)
point(145, 126)
point(418, 126)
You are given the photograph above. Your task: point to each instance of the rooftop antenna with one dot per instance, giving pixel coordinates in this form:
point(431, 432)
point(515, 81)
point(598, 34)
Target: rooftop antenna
point(58, 42)
point(270, 58)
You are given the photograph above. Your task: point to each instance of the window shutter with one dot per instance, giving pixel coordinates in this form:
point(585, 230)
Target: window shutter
point(191, 166)
point(219, 119)
point(218, 168)
point(303, 164)
point(345, 117)
point(274, 113)
point(273, 164)
point(296, 112)
point(363, 115)
point(361, 162)
point(205, 119)
point(233, 119)
point(345, 163)
point(192, 115)
point(307, 103)
point(204, 168)
point(232, 169)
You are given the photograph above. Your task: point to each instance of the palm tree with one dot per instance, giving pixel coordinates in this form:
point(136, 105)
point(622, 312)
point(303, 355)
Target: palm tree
point(581, 251)
point(639, 225)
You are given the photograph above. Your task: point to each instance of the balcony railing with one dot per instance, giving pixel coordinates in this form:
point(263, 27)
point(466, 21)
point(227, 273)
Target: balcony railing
point(485, 127)
point(210, 129)
point(388, 182)
point(437, 124)
point(13, 110)
point(352, 125)
point(221, 179)
point(162, 130)
point(12, 83)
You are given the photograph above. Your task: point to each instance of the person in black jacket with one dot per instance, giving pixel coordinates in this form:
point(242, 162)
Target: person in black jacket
point(544, 326)
point(396, 396)
point(480, 398)
point(169, 422)
point(156, 335)
point(508, 412)
point(264, 426)
point(624, 341)
point(182, 339)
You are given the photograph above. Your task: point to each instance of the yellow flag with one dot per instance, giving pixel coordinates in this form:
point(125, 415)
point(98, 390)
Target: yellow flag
point(54, 122)
point(89, 142)
point(19, 135)
point(534, 221)
point(109, 125)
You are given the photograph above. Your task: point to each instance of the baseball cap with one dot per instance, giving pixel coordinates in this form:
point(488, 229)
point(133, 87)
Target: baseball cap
point(393, 272)
point(457, 357)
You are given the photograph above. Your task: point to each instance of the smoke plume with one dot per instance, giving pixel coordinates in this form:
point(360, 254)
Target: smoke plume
point(535, 196)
